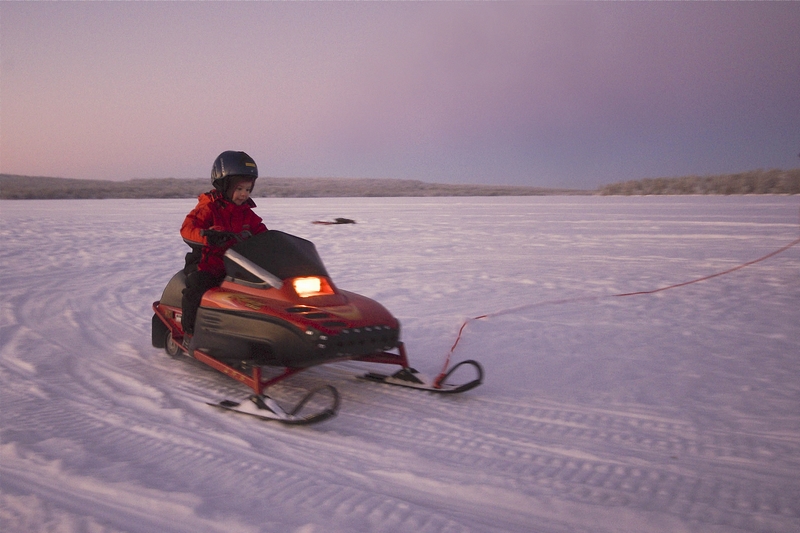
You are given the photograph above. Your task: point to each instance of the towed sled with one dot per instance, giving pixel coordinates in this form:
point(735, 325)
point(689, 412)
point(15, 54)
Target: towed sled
point(278, 307)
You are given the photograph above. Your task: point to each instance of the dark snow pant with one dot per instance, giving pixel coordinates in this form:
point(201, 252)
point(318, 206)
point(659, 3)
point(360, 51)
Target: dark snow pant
point(197, 283)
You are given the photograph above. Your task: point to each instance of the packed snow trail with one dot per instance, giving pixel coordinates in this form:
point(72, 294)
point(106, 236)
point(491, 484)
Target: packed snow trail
point(676, 411)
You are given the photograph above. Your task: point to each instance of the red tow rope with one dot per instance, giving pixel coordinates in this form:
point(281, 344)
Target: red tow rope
point(754, 261)
point(443, 373)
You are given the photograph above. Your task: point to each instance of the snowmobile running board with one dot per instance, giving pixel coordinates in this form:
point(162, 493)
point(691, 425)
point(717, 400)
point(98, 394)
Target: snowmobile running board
point(255, 379)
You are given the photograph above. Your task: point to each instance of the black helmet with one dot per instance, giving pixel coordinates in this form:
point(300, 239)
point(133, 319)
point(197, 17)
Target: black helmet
point(229, 164)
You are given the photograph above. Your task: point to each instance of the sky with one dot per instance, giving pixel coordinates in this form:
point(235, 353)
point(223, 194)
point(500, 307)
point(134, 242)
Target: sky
point(552, 94)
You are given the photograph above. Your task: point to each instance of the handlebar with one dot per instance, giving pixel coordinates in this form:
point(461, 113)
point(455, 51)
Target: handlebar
point(213, 235)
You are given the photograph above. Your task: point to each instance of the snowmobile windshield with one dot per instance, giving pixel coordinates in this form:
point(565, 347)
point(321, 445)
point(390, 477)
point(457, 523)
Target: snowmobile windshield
point(272, 257)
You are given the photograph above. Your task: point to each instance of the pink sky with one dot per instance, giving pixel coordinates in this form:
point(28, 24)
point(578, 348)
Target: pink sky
point(559, 95)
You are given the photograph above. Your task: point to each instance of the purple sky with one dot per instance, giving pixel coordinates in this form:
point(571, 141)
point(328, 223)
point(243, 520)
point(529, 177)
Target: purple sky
point(556, 95)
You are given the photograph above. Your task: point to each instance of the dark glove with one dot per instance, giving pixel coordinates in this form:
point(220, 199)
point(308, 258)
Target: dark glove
point(216, 238)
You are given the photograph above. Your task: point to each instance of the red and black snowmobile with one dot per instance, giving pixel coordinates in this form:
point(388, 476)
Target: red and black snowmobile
point(278, 307)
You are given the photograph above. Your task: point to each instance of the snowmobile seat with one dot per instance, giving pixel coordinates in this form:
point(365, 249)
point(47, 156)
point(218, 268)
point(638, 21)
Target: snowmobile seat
point(173, 292)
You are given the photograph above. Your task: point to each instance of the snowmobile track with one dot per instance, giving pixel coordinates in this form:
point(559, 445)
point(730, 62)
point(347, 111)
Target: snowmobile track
point(546, 449)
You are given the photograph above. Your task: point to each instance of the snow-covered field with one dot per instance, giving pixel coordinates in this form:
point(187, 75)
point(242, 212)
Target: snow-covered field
point(674, 411)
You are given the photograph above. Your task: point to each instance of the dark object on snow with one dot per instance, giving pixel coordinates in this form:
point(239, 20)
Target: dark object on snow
point(336, 221)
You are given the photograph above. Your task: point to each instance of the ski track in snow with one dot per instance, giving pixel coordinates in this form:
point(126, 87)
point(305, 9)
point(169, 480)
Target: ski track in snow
point(678, 411)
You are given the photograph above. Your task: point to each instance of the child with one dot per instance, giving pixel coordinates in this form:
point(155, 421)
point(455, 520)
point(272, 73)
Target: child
point(227, 208)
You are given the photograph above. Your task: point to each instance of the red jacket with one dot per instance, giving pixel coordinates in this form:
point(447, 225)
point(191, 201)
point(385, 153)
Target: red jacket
point(213, 211)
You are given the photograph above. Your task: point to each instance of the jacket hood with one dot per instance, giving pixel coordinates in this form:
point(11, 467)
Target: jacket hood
point(216, 196)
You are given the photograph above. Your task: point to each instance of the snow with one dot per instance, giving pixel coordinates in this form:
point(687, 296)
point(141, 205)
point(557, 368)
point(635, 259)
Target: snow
point(673, 411)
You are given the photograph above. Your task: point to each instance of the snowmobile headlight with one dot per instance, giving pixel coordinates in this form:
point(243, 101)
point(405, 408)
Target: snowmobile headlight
point(311, 286)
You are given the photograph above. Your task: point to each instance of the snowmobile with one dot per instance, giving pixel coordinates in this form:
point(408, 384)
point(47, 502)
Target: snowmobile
point(278, 307)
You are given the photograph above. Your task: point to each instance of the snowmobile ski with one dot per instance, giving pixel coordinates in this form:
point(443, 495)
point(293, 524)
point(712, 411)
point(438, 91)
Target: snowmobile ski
point(265, 408)
point(409, 377)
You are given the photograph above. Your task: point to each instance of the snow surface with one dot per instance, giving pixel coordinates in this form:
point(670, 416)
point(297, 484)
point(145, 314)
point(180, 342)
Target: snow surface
point(674, 411)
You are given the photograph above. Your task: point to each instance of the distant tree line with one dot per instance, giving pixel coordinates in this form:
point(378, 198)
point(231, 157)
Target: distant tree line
point(752, 182)
point(13, 187)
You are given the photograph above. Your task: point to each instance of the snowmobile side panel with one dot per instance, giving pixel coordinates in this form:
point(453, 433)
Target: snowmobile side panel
point(270, 340)
point(261, 338)
point(173, 292)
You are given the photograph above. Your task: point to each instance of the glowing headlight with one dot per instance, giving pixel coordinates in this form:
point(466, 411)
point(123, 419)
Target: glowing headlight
point(311, 286)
